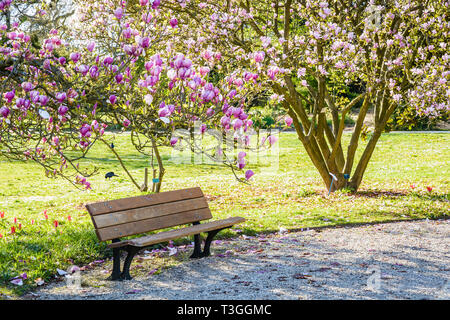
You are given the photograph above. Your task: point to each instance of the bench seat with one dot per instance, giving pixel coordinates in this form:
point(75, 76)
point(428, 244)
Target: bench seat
point(139, 215)
point(178, 233)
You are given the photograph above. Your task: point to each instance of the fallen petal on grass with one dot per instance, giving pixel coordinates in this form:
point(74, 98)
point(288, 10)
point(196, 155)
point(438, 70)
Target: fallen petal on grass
point(17, 282)
point(61, 272)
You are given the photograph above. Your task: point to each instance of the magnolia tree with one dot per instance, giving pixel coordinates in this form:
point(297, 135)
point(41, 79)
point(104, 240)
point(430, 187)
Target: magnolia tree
point(57, 100)
point(170, 93)
point(189, 108)
point(36, 17)
point(309, 52)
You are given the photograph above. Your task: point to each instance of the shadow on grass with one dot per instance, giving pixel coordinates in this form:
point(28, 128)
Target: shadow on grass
point(249, 231)
point(399, 194)
point(378, 194)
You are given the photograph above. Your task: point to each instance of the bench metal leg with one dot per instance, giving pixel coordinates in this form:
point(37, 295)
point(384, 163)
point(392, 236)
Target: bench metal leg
point(197, 247)
point(116, 263)
point(211, 234)
point(198, 253)
point(197, 244)
point(125, 275)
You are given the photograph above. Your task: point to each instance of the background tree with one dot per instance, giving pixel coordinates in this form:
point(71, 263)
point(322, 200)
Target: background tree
point(58, 98)
point(169, 85)
point(307, 52)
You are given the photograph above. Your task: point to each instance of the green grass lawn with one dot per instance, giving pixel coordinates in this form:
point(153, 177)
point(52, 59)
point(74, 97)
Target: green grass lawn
point(292, 197)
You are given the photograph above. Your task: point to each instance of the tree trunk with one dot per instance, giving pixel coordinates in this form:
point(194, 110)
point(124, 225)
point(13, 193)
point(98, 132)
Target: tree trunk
point(328, 158)
point(338, 184)
point(364, 161)
point(161, 170)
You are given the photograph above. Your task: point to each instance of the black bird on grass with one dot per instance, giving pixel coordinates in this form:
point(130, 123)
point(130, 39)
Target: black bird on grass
point(109, 175)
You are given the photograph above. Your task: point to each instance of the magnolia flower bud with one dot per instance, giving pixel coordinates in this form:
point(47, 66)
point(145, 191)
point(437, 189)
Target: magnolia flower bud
point(75, 56)
point(112, 99)
point(237, 124)
point(91, 46)
point(4, 112)
point(288, 121)
point(173, 22)
point(62, 110)
point(249, 174)
point(118, 13)
point(173, 141)
point(259, 56)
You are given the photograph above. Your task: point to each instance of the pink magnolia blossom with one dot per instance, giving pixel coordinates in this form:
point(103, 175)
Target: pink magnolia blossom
point(210, 112)
point(9, 96)
point(112, 99)
point(173, 141)
point(224, 121)
point(259, 56)
point(272, 140)
point(62, 110)
point(85, 130)
point(241, 163)
point(155, 4)
point(4, 112)
point(118, 13)
point(249, 174)
point(126, 33)
point(237, 124)
point(173, 22)
point(75, 56)
point(43, 100)
point(108, 61)
point(144, 42)
point(119, 78)
point(90, 47)
point(288, 121)
point(61, 97)
point(27, 86)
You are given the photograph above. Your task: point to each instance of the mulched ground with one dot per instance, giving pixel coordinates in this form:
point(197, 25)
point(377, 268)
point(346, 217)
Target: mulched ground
point(402, 260)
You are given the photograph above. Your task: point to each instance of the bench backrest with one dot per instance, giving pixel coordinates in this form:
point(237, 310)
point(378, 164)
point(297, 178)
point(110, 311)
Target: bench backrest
point(135, 215)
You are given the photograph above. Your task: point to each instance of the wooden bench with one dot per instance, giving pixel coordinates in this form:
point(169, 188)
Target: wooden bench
point(121, 218)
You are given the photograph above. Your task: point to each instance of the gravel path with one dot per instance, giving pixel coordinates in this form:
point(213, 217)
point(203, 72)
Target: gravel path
point(403, 260)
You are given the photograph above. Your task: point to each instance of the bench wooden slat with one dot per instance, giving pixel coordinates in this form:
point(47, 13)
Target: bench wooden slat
point(121, 217)
point(142, 226)
point(178, 233)
point(143, 201)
